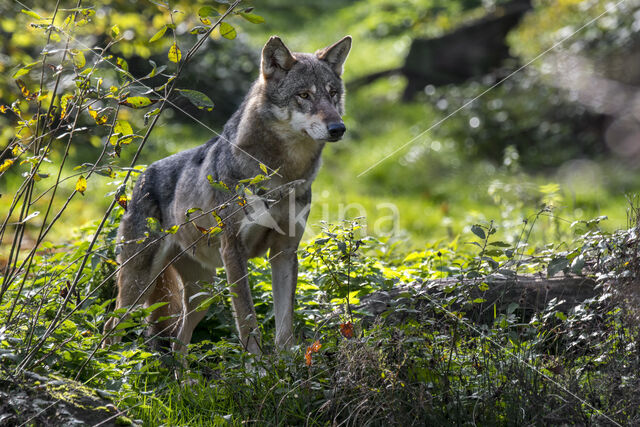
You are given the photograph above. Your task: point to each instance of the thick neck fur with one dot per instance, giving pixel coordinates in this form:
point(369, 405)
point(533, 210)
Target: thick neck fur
point(256, 130)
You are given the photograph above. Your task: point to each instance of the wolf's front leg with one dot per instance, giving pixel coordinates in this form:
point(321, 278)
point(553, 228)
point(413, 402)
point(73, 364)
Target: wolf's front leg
point(235, 263)
point(284, 276)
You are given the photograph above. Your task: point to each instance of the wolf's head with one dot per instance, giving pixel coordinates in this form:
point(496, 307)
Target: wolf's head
point(305, 90)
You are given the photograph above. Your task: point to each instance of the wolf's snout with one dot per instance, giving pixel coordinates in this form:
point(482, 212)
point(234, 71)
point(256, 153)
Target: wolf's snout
point(336, 130)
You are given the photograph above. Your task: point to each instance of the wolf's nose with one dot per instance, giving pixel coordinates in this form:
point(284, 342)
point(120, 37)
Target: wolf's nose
point(336, 130)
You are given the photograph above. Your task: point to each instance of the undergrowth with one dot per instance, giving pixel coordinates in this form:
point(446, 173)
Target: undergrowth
point(427, 357)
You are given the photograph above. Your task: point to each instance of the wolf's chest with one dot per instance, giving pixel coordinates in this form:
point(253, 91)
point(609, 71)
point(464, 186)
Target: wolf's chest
point(255, 224)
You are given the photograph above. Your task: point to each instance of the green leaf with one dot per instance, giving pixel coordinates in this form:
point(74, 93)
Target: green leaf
point(500, 244)
point(121, 128)
point(198, 99)
point(227, 31)
point(172, 230)
point(24, 70)
point(155, 71)
point(78, 58)
point(115, 31)
point(190, 211)
point(493, 252)
point(206, 11)
point(153, 224)
point(556, 265)
point(138, 101)
point(258, 179)
point(252, 17)
point(122, 63)
point(124, 325)
point(158, 35)
point(218, 185)
point(199, 30)
point(150, 114)
point(32, 14)
point(263, 167)
point(174, 53)
point(21, 72)
point(478, 231)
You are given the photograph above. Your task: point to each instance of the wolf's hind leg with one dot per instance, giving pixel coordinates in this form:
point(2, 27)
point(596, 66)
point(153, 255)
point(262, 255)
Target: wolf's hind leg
point(164, 321)
point(192, 274)
point(141, 263)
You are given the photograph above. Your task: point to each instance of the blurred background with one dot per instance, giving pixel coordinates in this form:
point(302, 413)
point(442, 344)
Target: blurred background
point(458, 111)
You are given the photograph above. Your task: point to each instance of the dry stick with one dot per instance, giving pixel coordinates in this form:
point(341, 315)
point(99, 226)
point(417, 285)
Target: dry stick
point(24, 184)
point(18, 294)
point(41, 236)
point(73, 175)
point(19, 233)
point(26, 204)
point(44, 231)
point(7, 279)
point(44, 61)
point(54, 323)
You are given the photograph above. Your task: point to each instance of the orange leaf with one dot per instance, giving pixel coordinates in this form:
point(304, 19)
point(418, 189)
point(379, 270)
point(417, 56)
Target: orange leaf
point(200, 229)
point(346, 329)
point(23, 88)
point(122, 201)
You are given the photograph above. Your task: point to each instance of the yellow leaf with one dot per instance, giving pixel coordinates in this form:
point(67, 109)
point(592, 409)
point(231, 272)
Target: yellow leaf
point(6, 165)
point(174, 53)
point(81, 185)
point(23, 88)
point(3, 109)
point(64, 103)
point(100, 120)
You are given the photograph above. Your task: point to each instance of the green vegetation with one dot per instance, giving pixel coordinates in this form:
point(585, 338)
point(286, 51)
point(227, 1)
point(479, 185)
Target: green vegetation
point(524, 180)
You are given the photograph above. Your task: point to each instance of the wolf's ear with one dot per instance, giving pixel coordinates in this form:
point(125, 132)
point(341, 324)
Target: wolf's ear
point(276, 58)
point(336, 54)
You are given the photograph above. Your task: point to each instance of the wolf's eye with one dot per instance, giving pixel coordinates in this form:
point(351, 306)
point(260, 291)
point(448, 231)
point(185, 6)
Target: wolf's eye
point(333, 93)
point(303, 95)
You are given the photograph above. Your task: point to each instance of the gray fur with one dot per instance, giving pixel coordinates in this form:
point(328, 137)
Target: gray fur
point(282, 123)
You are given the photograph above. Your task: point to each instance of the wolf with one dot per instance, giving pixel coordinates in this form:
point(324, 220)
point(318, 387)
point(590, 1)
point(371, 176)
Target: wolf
point(291, 111)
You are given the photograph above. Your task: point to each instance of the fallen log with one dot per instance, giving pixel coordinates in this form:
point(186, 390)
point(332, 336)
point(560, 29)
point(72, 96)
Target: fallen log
point(531, 293)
